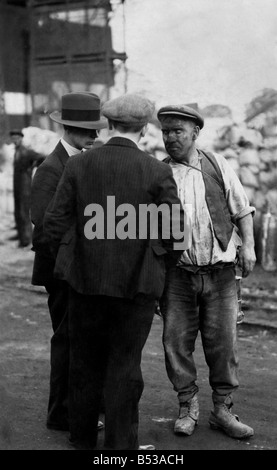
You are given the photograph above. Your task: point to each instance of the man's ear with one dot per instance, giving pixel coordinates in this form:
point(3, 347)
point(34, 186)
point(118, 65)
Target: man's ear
point(144, 130)
point(196, 131)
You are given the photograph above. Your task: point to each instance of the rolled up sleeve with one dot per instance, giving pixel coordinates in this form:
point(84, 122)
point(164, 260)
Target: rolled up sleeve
point(236, 196)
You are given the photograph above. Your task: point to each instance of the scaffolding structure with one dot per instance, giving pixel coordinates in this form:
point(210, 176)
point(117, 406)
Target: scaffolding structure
point(60, 46)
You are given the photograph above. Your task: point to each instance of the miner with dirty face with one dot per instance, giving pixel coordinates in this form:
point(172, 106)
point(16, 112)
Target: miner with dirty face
point(180, 133)
point(200, 293)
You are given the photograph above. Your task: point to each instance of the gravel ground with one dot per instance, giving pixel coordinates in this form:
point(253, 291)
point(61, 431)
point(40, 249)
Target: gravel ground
point(24, 369)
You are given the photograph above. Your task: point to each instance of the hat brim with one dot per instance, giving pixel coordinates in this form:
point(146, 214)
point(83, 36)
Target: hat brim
point(101, 124)
point(184, 116)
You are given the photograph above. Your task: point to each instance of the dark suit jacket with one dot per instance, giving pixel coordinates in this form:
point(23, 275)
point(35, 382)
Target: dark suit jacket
point(44, 186)
point(113, 267)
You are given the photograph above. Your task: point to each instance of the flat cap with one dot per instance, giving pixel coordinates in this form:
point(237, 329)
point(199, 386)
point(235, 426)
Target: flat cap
point(129, 110)
point(183, 111)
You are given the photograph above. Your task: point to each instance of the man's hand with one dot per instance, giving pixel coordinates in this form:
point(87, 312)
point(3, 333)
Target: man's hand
point(246, 259)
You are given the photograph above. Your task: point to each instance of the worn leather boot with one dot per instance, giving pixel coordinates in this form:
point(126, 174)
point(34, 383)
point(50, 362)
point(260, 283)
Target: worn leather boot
point(188, 417)
point(223, 419)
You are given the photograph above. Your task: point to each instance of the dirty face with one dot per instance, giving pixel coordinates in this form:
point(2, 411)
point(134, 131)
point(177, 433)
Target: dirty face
point(179, 136)
point(82, 138)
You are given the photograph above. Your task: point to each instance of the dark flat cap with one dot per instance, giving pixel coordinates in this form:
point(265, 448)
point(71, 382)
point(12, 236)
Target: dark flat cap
point(129, 110)
point(183, 111)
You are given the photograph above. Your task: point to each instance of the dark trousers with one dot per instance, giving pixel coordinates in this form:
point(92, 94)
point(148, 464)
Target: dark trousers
point(59, 354)
point(107, 335)
point(22, 202)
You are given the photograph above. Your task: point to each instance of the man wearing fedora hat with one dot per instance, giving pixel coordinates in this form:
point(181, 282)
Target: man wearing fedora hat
point(200, 293)
point(114, 278)
point(81, 120)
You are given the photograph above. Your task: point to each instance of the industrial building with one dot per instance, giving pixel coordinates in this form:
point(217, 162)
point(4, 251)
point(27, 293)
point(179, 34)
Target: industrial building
point(48, 48)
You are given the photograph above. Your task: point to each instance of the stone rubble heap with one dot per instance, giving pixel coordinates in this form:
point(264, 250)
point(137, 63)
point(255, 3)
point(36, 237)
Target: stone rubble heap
point(255, 161)
point(252, 152)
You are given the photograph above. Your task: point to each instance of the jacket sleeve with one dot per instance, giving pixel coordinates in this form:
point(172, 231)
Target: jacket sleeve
point(61, 212)
point(173, 232)
point(32, 158)
point(237, 200)
point(44, 186)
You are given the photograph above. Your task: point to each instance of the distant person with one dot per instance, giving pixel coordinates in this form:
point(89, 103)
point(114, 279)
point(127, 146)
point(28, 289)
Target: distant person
point(114, 278)
point(25, 160)
point(81, 121)
point(200, 293)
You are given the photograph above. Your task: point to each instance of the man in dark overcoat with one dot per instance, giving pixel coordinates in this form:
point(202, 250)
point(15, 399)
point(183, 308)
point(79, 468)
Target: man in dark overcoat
point(80, 117)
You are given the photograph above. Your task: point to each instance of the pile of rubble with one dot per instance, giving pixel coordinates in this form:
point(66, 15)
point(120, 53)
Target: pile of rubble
point(254, 161)
point(251, 149)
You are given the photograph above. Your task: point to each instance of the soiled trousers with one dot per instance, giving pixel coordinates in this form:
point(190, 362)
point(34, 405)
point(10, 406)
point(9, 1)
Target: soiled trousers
point(206, 303)
point(59, 354)
point(107, 335)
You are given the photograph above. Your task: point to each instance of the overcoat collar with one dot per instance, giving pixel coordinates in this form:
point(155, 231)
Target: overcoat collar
point(122, 142)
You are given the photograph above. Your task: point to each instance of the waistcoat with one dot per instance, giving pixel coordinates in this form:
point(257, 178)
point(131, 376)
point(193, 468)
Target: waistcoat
point(215, 198)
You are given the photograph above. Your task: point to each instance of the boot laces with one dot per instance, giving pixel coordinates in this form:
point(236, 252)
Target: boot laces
point(185, 410)
point(229, 411)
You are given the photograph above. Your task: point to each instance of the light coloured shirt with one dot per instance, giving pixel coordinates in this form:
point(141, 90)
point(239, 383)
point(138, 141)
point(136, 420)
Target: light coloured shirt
point(205, 249)
point(69, 149)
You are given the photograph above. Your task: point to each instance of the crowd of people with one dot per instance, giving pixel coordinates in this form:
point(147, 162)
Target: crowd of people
point(106, 270)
